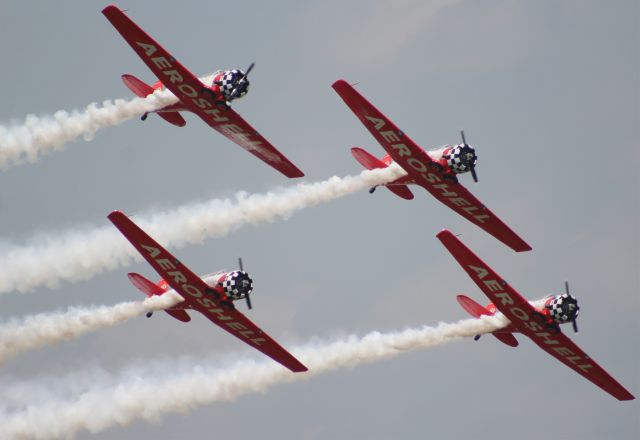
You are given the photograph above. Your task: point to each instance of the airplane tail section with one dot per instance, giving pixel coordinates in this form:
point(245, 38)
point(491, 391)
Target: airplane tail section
point(145, 286)
point(472, 307)
point(476, 310)
point(180, 315)
point(366, 159)
point(371, 162)
point(142, 90)
point(150, 289)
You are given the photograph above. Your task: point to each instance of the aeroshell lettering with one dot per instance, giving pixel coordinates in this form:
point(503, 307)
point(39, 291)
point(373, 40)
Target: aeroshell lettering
point(496, 287)
point(430, 178)
point(197, 296)
point(169, 75)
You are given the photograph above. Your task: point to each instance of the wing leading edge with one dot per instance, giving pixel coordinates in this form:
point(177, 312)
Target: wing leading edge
point(195, 293)
point(195, 95)
point(522, 315)
point(417, 163)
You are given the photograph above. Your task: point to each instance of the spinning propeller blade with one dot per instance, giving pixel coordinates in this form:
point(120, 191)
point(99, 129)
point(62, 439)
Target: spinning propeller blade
point(236, 86)
point(573, 321)
point(472, 166)
point(247, 299)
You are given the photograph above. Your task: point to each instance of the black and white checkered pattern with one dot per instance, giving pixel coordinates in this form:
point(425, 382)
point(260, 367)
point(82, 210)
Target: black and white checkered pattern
point(237, 284)
point(563, 308)
point(460, 158)
point(229, 79)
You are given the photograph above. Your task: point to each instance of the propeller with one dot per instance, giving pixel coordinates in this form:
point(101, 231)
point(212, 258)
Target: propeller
point(472, 166)
point(240, 259)
point(236, 86)
point(573, 321)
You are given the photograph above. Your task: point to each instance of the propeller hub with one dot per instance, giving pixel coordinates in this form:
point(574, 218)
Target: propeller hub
point(461, 158)
point(563, 308)
point(237, 284)
point(234, 84)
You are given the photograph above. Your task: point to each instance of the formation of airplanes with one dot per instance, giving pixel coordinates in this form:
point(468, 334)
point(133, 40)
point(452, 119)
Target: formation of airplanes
point(435, 170)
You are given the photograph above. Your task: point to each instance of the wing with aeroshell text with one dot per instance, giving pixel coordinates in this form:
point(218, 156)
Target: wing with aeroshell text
point(417, 163)
point(522, 316)
point(195, 95)
point(196, 293)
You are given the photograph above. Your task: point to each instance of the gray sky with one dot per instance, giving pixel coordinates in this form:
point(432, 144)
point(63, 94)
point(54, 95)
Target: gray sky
point(547, 91)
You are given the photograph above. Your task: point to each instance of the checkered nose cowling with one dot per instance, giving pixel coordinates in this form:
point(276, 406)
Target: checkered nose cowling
point(237, 284)
point(563, 308)
point(461, 158)
point(231, 79)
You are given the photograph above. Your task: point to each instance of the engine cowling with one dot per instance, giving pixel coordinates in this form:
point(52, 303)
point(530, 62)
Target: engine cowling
point(237, 284)
point(562, 308)
point(230, 79)
point(460, 158)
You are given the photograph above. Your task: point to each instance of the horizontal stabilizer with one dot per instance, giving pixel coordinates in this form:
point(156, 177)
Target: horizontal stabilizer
point(370, 162)
point(140, 88)
point(366, 159)
point(472, 307)
point(180, 315)
point(402, 191)
point(507, 338)
point(173, 118)
point(145, 286)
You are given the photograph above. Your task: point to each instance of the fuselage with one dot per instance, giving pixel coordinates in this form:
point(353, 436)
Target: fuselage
point(450, 160)
point(556, 309)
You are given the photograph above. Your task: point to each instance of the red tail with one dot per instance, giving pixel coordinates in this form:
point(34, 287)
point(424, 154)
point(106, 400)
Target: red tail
point(149, 288)
point(138, 87)
point(142, 90)
point(476, 310)
point(144, 285)
point(371, 162)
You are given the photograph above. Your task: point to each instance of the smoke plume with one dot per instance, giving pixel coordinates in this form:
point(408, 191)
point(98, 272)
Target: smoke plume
point(144, 393)
point(77, 255)
point(35, 331)
point(39, 135)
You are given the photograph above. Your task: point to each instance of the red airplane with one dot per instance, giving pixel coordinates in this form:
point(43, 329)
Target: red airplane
point(434, 170)
point(542, 324)
point(210, 102)
point(213, 301)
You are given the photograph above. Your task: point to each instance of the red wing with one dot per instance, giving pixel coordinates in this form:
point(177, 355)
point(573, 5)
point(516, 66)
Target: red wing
point(197, 294)
point(231, 125)
point(416, 162)
point(523, 316)
point(195, 95)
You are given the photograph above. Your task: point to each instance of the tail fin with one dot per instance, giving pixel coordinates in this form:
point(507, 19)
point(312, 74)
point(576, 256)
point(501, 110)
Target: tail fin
point(476, 310)
point(472, 307)
point(366, 159)
point(149, 288)
point(173, 118)
point(145, 286)
point(371, 162)
point(142, 90)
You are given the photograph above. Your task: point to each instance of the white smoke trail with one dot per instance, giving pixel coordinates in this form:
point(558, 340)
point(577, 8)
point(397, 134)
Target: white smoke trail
point(141, 394)
point(80, 255)
point(39, 135)
point(36, 331)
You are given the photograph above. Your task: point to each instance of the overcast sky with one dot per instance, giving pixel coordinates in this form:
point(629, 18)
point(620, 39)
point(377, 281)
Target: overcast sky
point(548, 92)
